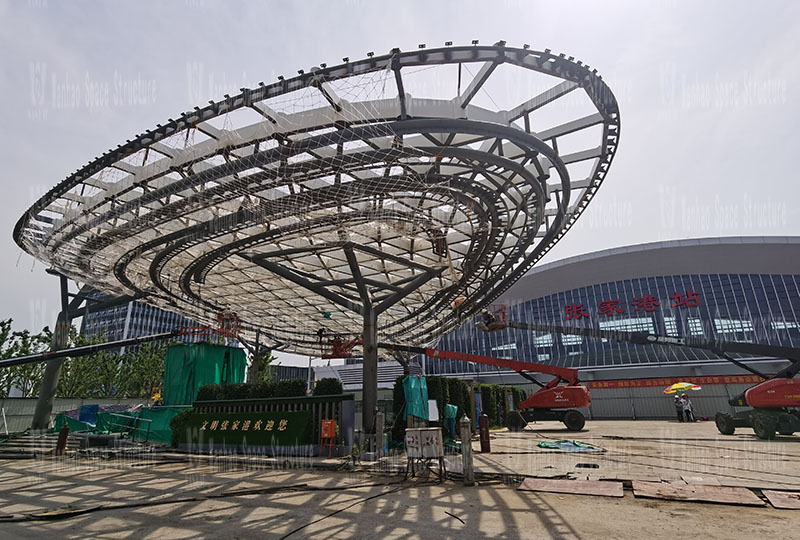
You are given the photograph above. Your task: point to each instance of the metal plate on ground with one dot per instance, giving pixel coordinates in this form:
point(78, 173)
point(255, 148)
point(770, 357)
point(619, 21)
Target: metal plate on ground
point(785, 500)
point(577, 487)
point(698, 493)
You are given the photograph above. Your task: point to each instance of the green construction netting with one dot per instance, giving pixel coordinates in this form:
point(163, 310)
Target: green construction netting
point(159, 430)
point(190, 366)
point(74, 425)
point(416, 393)
point(146, 424)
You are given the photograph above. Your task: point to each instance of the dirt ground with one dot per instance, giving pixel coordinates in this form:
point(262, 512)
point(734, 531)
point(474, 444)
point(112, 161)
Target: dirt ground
point(652, 450)
point(338, 505)
point(175, 497)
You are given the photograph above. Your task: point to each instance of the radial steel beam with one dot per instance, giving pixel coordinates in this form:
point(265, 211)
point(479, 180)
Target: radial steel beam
point(306, 283)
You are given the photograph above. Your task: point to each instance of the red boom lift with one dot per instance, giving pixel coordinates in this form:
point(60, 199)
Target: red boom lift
point(556, 400)
point(774, 402)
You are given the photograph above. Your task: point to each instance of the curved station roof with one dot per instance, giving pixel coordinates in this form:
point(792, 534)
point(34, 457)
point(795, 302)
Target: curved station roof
point(399, 185)
point(768, 255)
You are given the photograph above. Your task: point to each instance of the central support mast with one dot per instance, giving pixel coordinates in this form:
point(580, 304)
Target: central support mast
point(373, 301)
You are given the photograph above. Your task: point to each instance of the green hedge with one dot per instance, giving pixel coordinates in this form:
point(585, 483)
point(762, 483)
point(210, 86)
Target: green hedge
point(457, 392)
point(209, 392)
point(288, 388)
point(178, 425)
point(328, 387)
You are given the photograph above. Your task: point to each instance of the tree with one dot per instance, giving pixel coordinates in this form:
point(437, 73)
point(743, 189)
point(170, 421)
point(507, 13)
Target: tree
point(263, 363)
point(27, 378)
point(143, 369)
point(79, 374)
point(102, 374)
point(5, 352)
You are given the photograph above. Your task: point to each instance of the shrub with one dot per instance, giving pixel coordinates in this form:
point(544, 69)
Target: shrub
point(489, 400)
point(236, 391)
point(328, 387)
point(519, 396)
point(261, 390)
point(290, 388)
point(209, 392)
point(178, 424)
point(458, 391)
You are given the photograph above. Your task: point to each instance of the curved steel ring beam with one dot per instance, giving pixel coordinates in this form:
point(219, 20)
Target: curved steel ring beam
point(357, 152)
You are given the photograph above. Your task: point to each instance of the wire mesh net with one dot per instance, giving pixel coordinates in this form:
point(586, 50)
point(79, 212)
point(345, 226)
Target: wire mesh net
point(289, 204)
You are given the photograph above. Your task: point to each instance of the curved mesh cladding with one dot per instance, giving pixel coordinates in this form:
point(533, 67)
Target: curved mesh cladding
point(413, 179)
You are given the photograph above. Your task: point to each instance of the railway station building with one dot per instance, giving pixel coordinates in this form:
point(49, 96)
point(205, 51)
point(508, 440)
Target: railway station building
point(725, 289)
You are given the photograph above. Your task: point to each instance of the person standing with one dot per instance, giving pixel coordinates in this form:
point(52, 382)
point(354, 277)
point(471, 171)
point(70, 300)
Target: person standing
point(679, 407)
point(450, 413)
point(688, 412)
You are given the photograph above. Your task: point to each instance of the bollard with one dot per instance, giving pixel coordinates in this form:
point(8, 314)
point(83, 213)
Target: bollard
point(466, 451)
point(483, 430)
point(61, 444)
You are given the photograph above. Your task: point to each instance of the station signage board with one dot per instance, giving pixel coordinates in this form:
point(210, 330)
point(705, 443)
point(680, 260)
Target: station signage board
point(258, 428)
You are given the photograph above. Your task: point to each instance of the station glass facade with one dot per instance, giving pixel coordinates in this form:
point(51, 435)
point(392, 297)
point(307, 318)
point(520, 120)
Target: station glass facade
point(759, 308)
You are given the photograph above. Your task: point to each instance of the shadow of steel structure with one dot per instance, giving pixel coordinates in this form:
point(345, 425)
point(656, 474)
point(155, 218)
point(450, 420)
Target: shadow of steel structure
point(388, 198)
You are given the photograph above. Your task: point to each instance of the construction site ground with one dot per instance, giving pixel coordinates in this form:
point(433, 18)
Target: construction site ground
point(164, 495)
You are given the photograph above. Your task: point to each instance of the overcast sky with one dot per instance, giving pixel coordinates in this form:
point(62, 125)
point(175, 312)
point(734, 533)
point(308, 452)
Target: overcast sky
point(707, 94)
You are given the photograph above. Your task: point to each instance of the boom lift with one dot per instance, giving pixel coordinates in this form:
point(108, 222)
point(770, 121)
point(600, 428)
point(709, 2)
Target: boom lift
point(556, 400)
point(774, 402)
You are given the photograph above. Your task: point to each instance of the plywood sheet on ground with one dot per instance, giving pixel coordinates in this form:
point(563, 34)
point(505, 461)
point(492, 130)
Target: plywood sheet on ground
point(700, 480)
point(699, 493)
point(782, 499)
point(577, 487)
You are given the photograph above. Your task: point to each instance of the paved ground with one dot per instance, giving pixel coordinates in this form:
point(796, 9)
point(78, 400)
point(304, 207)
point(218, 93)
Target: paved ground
point(651, 450)
point(137, 497)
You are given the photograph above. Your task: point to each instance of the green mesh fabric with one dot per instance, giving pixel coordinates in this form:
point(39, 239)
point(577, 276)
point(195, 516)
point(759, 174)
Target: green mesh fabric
point(158, 425)
point(190, 366)
point(416, 393)
point(74, 425)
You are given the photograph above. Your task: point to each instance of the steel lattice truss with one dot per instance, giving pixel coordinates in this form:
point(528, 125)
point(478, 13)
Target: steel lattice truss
point(298, 203)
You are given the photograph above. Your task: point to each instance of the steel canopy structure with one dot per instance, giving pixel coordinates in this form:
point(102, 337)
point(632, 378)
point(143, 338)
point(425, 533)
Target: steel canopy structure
point(366, 198)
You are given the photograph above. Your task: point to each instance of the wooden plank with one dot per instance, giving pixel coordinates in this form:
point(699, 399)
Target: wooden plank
point(576, 487)
point(698, 493)
point(700, 480)
point(782, 499)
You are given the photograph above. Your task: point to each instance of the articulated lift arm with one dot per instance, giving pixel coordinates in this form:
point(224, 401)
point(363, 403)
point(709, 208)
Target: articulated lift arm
point(721, 348)
point(566, 375)
point(553, 401)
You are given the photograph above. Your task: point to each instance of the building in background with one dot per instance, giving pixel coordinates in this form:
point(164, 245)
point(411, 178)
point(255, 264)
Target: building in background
point(729, 289)
point(133, 319)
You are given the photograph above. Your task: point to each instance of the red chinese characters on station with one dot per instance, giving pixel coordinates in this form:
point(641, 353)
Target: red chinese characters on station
point(609, 307)
point(645, 303)
point(690, 299)
point(575, 311)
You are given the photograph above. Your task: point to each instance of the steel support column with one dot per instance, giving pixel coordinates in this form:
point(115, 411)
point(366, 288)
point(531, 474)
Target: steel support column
point(47, 393)
point(370, 370)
